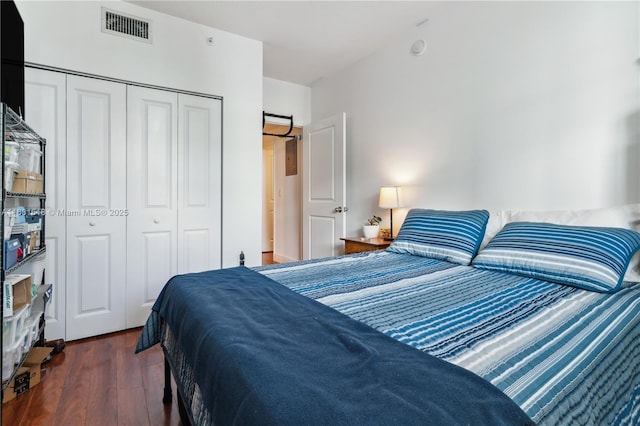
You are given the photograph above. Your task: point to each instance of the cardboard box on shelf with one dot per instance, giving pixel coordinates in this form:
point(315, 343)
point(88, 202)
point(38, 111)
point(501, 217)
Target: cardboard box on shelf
point(33, 241)
point(28, 183)
point(28, 375)
point(17, 293)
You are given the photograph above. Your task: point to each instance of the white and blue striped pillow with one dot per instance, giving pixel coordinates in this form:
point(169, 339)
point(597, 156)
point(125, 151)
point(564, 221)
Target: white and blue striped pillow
point(592, 258)
point(453, 236)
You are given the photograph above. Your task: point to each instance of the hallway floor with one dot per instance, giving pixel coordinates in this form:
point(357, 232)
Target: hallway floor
point(267, 258)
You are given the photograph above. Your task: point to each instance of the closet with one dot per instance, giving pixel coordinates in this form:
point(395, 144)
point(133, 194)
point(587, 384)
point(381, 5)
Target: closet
point(137, 195)
point(96, 256)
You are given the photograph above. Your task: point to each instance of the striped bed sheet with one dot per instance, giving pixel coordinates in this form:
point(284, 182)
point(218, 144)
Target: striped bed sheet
point(563, 354)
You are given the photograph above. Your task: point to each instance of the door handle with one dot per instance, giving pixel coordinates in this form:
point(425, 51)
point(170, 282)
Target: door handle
point(341, 209)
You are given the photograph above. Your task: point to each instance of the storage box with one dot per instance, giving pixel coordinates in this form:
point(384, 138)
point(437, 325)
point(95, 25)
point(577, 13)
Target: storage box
point(17, 293)
point(33, 216)
point(35, 237)
point(28, 375)
point(9, 220)
point(28, 183)
point(11, 151)
point(10, 170)
point(25, 342)
point(33, 241)
point(11, 355)
point(32, 324)
point(29, 158)
point(19, 214)
point(14, 326)
point(25, 243)
point(11, 247)
point(24, 228)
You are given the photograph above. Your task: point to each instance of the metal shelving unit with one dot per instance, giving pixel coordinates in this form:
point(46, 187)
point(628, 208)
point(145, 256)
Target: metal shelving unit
point(14, 129)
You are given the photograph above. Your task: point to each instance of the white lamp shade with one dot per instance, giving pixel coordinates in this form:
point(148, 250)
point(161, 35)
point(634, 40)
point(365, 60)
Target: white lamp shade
point(389, 197)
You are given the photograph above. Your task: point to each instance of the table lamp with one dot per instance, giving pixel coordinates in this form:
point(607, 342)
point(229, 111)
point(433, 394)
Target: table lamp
point(389, 199)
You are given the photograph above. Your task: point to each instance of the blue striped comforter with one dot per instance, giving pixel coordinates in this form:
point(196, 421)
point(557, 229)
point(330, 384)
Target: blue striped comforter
point(565, 355)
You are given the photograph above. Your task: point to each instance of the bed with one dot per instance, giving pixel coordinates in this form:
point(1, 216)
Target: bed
point(467, 318)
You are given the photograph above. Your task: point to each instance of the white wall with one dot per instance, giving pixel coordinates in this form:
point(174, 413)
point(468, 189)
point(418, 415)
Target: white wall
point(67, 35)
point(514, 105)
point(284, 98)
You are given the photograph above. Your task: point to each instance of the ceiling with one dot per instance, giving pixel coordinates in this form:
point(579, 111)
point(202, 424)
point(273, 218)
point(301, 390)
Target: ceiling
point(304, 41)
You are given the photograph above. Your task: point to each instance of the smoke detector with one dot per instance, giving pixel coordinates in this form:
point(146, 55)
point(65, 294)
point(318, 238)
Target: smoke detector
point(418, 47)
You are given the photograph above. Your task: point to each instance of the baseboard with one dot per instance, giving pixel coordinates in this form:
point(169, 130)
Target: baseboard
point(283, 259)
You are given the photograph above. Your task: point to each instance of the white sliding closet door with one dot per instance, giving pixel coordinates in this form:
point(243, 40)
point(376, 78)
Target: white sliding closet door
point(199, 183)
point(45, 110)
point(152, 151)
point(96, 200)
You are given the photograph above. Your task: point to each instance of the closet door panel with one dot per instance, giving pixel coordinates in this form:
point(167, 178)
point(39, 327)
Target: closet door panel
point(196, 249)
point(199, 190)
point(45, 107)
point(96, 207)
point(151, 198)
point(94, 272)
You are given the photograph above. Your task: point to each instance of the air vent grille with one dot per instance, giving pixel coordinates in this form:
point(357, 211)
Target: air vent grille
point(127, 26)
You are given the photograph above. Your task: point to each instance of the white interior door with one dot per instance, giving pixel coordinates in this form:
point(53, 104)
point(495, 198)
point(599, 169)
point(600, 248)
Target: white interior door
point(96, 204)
point(152, 151)
point(199, 183)
point(324, 188)
point(45, 109)
point(268, 202)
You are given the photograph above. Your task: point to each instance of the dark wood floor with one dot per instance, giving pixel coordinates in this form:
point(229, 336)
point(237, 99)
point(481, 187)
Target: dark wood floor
point(98, 382)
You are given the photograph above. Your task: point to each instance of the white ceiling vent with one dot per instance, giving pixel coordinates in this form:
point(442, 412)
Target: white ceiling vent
point(124, 25)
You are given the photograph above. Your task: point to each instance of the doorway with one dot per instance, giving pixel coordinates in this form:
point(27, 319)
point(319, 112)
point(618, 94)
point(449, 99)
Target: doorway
point(282, 189)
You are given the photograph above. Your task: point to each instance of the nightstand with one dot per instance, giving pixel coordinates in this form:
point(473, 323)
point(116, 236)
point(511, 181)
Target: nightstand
point(360, 244)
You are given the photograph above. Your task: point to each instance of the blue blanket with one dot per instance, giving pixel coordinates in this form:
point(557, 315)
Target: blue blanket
point(263, 354)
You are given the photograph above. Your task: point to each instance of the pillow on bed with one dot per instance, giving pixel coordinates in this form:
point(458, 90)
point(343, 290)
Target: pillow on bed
point(592, 258)
point(622, 216)
point(439, 234)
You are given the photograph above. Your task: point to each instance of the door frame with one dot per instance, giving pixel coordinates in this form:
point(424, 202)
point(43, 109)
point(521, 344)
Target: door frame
point(285, 248)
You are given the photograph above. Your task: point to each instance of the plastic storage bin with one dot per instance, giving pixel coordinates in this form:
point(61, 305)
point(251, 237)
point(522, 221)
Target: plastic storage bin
point(11, 151)
point(22, 317)
point(11, 355)
point(33, 325)
point(25, 342)
point(13, 326)
point(9, 221)
point(9, 329)
point(29, 158)
point(10, 171)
